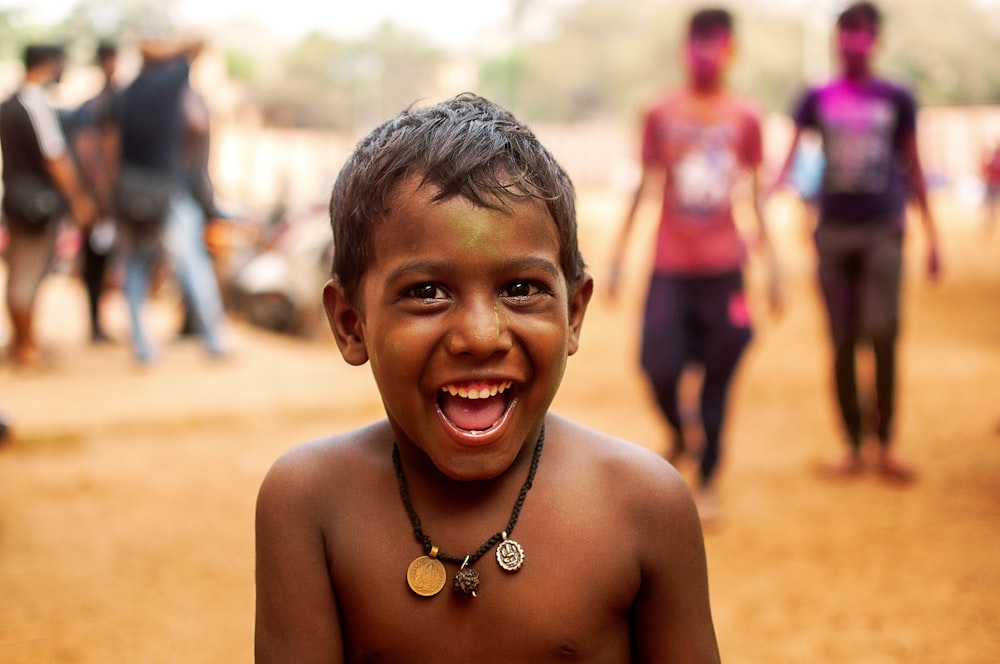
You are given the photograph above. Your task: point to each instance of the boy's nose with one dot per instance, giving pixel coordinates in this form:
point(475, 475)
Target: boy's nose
point(479, 329)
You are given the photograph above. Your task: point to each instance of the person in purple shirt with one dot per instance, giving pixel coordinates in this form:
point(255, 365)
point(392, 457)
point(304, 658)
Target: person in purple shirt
point(868, 130)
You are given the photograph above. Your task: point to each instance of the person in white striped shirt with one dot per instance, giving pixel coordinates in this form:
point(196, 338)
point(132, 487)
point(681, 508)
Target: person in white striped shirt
point(41, 185)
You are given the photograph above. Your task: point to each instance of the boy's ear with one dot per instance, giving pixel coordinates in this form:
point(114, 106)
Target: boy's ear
point(345, 323)
point(579, 299)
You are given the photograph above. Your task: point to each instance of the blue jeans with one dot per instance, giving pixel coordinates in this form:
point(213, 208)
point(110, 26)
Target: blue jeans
point(182, 240)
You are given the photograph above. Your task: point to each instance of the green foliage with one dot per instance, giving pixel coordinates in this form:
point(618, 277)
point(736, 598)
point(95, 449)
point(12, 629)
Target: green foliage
point(88, 22)
point(945, 52)
point(324, 82)
point(606, 58)
point(603, 61)
point(501, 77)
point(769, 60)
point(242, 67)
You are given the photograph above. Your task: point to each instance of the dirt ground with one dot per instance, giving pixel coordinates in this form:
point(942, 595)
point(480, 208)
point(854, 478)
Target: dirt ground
point(126, 499)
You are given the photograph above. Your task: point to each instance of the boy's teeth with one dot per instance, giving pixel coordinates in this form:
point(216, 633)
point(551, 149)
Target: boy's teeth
point(474, 393)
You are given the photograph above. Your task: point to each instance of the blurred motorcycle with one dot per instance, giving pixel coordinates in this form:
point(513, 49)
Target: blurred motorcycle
point(279, 288)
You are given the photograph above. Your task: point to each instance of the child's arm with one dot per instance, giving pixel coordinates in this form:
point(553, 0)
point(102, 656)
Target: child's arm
point(786, 166)
point(672, 620)
point(764, 244)
point(297, 619)
point(918, 188)
point(648, 181)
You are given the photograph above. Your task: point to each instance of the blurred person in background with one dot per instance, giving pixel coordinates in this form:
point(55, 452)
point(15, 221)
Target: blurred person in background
point(698, 144)
point(150, 138)
point(197, 143)
point(990, 173)
point(87, 126)
point(868, 129)
point(41, 184)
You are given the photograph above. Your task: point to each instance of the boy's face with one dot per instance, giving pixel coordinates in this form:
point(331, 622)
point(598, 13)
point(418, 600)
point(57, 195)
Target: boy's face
point(855, 46)
point(460, 299)
point(707, 55)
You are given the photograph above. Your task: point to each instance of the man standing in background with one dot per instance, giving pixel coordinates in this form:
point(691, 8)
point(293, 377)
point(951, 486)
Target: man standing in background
point(89, 122)
point(40, 183)
point(151, 134)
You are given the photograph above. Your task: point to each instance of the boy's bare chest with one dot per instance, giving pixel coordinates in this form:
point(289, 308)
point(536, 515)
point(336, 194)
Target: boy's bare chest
point(571, 594)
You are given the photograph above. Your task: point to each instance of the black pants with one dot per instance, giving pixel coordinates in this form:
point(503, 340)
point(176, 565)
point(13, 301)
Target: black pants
point(95, 267)
point(859, 275)
point(701, 320)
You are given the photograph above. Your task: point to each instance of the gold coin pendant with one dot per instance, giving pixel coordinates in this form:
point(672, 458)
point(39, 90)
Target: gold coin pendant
point(426, 576)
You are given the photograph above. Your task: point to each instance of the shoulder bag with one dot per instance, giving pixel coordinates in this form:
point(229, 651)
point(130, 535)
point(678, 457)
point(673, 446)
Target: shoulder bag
point(30, 199)
point(141, 196)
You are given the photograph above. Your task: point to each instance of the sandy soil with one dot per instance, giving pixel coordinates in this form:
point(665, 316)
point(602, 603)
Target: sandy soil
point(126, 500)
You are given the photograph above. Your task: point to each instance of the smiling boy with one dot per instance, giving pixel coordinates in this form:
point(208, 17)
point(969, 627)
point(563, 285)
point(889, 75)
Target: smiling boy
point(470, 524)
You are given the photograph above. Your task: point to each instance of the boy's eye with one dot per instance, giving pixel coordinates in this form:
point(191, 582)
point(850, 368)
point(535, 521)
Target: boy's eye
point(426, 292)
point(520, 289)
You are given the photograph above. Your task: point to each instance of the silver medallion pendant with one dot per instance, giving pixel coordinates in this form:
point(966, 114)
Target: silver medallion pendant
point(510, 555)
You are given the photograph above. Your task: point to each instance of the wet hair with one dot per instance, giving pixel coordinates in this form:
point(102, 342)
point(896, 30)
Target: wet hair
point(860, 15)
point(466, 146)
point(709, 21)
point(36, 55)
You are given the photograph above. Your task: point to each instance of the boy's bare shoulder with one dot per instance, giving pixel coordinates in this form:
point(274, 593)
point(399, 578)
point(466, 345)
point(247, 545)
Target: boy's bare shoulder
point(640, 500)
point(629, 470)
point(315, 468)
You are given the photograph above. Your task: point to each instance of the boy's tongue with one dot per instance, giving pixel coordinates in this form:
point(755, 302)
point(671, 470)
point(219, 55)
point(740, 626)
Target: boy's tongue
point(473, 414)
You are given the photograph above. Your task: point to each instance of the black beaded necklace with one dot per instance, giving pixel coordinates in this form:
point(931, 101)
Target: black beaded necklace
point(426, 575)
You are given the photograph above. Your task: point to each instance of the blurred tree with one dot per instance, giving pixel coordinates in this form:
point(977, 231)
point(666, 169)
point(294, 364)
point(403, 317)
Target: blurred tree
point(325, 82)
point(121, 20)
point(596, 59)
point(604, 61)
point(943, 49)
point(608, 63)
point(600, 61)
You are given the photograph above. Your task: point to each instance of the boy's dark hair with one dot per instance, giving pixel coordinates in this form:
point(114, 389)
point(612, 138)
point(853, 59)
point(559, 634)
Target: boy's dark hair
point(36, 55)
point(860, 15)
point(466, 146)
point(709, 21)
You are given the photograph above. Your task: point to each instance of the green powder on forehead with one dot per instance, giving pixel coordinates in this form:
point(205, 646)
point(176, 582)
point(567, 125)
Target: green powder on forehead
point(478, 236)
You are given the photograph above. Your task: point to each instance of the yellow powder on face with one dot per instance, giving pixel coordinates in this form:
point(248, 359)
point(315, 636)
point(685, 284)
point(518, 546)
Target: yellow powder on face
point(478, 236)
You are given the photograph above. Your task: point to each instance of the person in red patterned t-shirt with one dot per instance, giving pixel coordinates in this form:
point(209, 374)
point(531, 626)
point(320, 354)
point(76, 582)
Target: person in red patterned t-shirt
point(698, 144)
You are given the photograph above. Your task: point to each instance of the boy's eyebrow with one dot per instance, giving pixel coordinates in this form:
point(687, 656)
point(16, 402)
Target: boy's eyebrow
point(520, 263)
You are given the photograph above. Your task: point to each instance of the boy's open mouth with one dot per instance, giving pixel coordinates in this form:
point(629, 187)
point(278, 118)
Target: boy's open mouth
point(475, 407)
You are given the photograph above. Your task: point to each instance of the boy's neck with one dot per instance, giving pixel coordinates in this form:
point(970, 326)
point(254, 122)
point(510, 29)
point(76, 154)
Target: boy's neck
point(857, 72)
point(860, 77)
point(706, 89)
